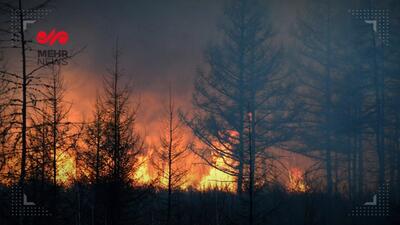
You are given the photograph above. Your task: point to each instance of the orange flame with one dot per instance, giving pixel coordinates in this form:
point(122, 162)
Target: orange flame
point(217, 179)
point(65, 169)
point(142, 173)
point(296, 181)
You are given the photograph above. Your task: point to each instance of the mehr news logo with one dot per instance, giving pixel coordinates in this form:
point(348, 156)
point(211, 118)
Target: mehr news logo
point(49, 55)
point(43, 38)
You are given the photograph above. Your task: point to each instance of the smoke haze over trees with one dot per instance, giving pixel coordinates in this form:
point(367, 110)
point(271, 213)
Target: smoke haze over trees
point(213, 112)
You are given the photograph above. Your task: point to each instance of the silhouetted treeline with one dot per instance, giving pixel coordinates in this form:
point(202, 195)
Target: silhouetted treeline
point(328, 90)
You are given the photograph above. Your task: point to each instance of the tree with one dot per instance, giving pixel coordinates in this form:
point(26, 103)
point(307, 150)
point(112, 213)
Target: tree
point(392, 103)
point(352, 110)
point(317, 77)
point(63, 137)
point(93, 156)
point(93, 138)
point(169, 155)
point(241, 78)
point(52, 138)
point(4, 121)
point(122, 144)
point(27, 83)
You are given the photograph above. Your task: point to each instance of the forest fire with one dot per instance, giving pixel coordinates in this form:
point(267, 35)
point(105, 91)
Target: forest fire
point(200, 177)
point(213, 179)
point(66, 170)
point(296, 182)
point(217, 179)
point(142, 173)
point(200, 112)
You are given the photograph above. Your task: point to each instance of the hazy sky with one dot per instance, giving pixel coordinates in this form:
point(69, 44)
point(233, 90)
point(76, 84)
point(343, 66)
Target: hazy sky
point(161, 41)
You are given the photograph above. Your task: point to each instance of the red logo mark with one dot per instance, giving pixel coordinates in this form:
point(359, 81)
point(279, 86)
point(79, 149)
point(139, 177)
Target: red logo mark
point(44, 38)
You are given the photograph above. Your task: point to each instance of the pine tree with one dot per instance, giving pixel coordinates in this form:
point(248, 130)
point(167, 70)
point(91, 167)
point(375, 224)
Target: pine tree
point(169, 156)
point(242, 77)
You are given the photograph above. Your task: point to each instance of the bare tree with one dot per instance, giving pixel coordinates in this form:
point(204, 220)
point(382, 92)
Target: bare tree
point(27, 83)
point(122, 143)
point(4, 121)
point(63, 139)
point(52, 137)
point(169, 156)
point(315, 32)
point(92, 158)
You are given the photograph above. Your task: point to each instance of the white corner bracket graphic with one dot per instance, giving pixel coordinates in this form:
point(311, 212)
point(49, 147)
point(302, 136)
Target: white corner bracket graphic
point(378, 18)
point(20, 206)
point(30, 16)
point(373, 22)
point(379, 206)
point(374, 201)
point(26, 22)
point(26, 201)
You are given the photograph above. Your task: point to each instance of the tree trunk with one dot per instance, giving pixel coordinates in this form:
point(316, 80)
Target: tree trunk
point(251, 164)
point(360, 161)
point(239, 187)
point(24, 90)
point(97, 169)
point(170, 159)
point(54, 128)
point(349, 161)
point(328, 104)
